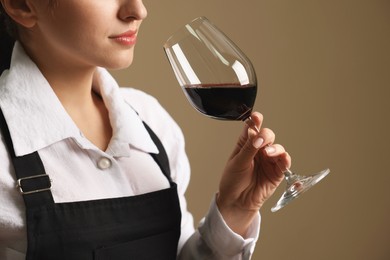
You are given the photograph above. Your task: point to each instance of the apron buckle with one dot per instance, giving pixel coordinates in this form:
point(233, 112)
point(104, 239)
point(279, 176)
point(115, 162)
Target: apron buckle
point(32, 189)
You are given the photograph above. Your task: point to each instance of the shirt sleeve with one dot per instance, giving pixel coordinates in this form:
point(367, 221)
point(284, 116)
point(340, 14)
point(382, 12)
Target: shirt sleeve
point(215, 240)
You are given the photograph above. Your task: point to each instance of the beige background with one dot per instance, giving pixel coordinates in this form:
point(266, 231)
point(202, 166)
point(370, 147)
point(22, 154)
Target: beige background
point(324, 73)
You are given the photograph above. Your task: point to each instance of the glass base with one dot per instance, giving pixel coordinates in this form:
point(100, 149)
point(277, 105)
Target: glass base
point(296, 185)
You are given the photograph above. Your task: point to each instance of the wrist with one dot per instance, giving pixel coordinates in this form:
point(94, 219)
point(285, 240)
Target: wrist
point(238, 218)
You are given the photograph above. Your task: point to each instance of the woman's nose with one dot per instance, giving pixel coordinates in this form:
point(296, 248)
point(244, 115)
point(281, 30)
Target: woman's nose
point(132, 10)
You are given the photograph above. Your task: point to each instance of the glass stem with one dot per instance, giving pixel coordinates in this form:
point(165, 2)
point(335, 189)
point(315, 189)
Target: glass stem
point(251, 124)
point(288, 174)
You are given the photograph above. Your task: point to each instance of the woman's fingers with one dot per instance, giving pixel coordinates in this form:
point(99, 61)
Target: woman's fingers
point(278, 155)
point(273, 150)
point(267, 135)
point(257, 139)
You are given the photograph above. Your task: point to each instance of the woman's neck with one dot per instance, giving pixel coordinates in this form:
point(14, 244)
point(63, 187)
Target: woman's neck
point(72, 83)
point(84, 106)
point(73, 89)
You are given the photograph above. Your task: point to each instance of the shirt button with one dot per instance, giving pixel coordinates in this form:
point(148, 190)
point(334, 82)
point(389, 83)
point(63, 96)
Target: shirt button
point(104, 163)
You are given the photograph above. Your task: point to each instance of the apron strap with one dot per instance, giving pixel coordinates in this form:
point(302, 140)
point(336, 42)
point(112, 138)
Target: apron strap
point(32, 180)
point(161, 158)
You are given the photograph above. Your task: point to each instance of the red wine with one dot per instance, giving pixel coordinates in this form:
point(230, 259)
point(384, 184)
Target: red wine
point(222, 101)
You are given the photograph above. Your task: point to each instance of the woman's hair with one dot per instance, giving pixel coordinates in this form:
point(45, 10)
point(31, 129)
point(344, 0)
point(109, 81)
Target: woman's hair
point(9, 34)
point(7, 39)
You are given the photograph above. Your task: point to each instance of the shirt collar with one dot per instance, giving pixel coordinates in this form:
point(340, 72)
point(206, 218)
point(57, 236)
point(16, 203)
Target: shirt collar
point(128, 127)
point(37, 119)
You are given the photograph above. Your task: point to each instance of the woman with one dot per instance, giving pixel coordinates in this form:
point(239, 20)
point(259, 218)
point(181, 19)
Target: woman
point(101, 172)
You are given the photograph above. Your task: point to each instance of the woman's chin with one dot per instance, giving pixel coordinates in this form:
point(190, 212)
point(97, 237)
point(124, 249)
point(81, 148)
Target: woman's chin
point(120, 65)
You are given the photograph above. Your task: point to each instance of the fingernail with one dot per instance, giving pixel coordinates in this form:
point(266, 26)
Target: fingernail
point(258, 142)
point(270, 150)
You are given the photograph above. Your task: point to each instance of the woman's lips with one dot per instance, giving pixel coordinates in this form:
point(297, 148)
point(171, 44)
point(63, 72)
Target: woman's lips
point(126, 38)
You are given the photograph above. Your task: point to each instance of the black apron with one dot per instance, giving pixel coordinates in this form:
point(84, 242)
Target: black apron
point(145, 226)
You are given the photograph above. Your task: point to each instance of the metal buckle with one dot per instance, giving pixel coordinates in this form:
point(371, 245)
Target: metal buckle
point(19, 184)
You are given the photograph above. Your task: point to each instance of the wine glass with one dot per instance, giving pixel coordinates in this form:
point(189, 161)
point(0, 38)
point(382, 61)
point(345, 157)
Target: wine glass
point(220, 82)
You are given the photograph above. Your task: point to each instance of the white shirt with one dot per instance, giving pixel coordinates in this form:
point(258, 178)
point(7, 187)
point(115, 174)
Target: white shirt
point(80, 171)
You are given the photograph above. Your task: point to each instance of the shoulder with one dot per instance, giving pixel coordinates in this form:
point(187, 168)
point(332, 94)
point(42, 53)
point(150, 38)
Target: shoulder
point(168, 131)
point(141, 101)
point(149, 109)
point(155, 115)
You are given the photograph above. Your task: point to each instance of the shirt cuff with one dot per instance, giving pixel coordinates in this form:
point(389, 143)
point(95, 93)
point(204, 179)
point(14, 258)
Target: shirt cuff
point(220, 238)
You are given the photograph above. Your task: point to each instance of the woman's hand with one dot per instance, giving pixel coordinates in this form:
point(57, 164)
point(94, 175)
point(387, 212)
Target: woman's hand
point(252, 174)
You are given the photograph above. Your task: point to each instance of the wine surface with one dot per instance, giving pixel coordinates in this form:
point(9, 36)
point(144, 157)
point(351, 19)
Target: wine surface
point(222, 101)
